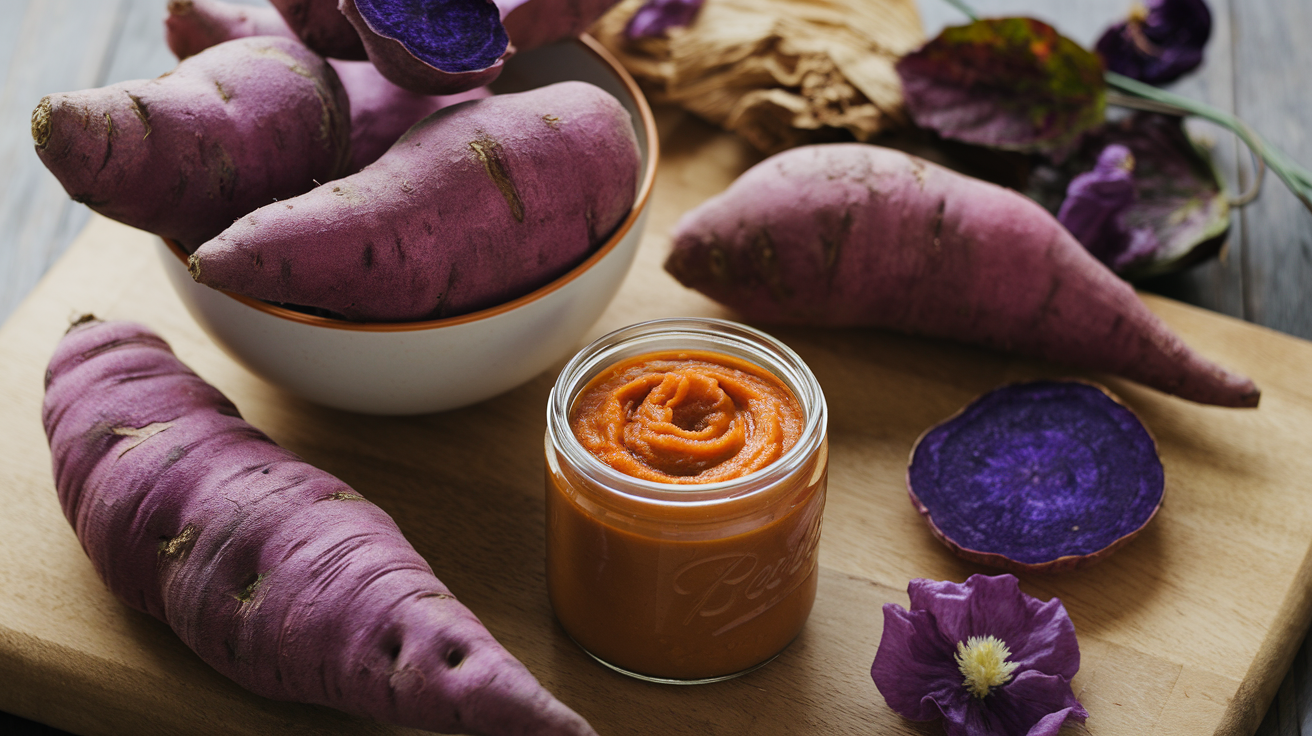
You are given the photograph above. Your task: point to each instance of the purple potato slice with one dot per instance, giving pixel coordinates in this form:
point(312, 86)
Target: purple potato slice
point(441, 47)
point(1046, 476)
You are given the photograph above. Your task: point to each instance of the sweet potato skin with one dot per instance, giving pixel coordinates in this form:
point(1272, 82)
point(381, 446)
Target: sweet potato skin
point(238, 126)
point(534, 23)
point(192, 26)
point(855, 234)
point(322, 27)
point(276, 573)
point(474, 206)
point(380, 110)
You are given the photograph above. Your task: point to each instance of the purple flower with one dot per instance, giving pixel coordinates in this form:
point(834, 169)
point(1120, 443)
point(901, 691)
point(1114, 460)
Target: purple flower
point(1094, 211)
point(656, 17)
point(988, 659)
point(1158, 43)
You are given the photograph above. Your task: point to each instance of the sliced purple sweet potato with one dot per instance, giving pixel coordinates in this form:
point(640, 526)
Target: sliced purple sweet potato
point(1047, 476)
point(435, 48)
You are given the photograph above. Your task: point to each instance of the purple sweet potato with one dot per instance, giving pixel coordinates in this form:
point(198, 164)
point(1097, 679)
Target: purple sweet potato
point(474, 206)
point(192, 26)
point(277, 574)
point(441, 47)
point(855, 234)
point(380, 110)
point(322, 27)
point(233, 128)
point(534, 23)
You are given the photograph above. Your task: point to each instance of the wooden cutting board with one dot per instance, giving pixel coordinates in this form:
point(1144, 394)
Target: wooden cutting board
point(1187, 630)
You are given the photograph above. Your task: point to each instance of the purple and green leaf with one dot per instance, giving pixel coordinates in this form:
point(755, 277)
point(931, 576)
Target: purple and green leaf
point(1009, 83)
point(1179, 196)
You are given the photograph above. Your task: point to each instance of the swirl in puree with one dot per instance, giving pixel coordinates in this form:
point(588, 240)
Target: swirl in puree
point(686, 417)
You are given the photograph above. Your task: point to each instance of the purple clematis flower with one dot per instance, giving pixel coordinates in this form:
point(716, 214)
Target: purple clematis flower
point(1159, 42)
point(656, 17)
point(1095, 206)
point(988, 659)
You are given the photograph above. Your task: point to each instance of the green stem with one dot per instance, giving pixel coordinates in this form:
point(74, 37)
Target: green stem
point(1298, 179)
point(964, 8)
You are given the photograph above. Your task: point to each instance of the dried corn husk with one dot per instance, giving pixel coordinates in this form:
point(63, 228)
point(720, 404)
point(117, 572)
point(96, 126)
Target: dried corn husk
point(778, 72)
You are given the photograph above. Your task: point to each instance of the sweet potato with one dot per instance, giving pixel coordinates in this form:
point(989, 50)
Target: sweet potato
point(380, 110)
point(192, 26)
point(238, 126)
point(440, 47)
point(534, 23)
point(322, 27)
point(854, 234)
point(276, 573)
point(477, 204)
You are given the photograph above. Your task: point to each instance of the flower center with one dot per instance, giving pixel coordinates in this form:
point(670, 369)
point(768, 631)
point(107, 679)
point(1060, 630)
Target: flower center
point(983, 662)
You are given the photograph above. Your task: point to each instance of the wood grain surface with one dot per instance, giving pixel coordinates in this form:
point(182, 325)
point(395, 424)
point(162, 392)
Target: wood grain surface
point(1255, 65)
point(1187, 630)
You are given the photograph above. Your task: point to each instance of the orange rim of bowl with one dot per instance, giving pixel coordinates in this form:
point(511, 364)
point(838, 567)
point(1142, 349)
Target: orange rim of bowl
point(648, 179)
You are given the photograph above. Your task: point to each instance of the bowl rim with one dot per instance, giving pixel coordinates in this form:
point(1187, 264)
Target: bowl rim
point(594, 47)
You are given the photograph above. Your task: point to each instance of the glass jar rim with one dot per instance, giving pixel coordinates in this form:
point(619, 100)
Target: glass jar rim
point(721, 335)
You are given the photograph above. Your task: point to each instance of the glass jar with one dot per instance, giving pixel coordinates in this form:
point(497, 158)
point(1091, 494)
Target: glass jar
point(684, 583)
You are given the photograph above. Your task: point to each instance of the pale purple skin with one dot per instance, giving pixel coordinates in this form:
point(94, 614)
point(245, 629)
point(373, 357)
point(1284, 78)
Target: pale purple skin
point(1046, 476)
point(442, 48)
point(1095, 207)
point(321, 26)
point(858, 235)
point(917, 674)
point(656, 17)
point(238, 126)
point(474, 206)
point(276, 573)
point(380, 110)
point(1162, 47)
point(534, 23)
point(192, 26)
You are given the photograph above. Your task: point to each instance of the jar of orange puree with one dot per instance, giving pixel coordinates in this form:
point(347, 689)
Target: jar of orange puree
point(686, 469)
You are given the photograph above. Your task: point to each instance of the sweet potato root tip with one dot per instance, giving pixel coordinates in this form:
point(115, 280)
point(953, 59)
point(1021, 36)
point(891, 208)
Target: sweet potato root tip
point(193, 266)
point(41, 122)
point(181, 7)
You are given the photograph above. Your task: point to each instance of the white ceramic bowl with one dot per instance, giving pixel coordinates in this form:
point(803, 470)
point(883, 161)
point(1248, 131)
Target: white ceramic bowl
point(421, 367)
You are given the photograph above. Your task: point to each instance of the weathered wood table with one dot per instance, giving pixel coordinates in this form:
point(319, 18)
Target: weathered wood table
point(1256, 67)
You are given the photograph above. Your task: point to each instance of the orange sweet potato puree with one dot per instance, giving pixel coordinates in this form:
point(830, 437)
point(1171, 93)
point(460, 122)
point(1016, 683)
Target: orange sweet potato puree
point(673, 589)
point(686, 417)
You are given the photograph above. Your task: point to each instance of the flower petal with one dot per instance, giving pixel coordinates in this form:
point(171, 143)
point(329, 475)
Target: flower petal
point(1034, 704)
point(1040, 635)
point(914, 667)
point(656, 17)
point(1160, 47)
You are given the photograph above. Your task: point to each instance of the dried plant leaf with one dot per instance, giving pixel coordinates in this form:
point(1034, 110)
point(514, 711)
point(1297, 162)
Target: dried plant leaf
point(780, 73)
